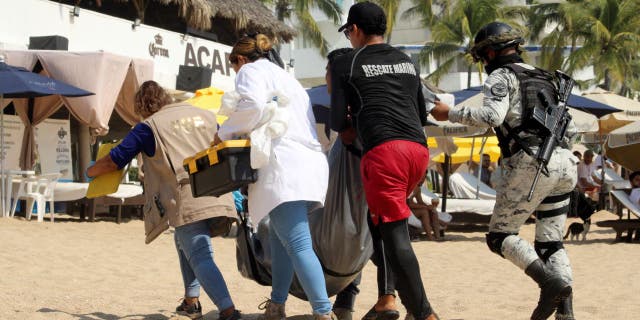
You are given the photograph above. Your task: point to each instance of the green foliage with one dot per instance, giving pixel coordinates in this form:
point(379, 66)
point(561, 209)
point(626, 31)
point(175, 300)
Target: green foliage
point(604, 34)
point(456, 26)
point(286, 9)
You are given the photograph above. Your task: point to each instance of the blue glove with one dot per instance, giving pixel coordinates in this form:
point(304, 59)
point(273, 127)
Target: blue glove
point(238, 197)
point(86, 177)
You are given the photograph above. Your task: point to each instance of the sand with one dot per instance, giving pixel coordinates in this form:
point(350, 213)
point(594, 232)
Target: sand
point(102, 270)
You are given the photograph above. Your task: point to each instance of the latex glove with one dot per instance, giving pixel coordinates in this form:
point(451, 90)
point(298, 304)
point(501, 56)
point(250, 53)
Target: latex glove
point(86, 177)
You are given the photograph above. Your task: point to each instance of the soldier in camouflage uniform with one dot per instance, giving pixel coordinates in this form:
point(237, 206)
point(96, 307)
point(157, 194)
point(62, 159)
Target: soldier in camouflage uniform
point(547, 263)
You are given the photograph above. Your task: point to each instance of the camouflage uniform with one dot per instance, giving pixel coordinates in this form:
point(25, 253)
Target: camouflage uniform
point(502, 104)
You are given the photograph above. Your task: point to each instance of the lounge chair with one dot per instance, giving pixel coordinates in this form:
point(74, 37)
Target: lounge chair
point(612, 178)
point(466, 211)
point(464, 186)
point(629, 225)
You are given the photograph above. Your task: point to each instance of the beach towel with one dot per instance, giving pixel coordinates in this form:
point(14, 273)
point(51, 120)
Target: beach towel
point(339, 231)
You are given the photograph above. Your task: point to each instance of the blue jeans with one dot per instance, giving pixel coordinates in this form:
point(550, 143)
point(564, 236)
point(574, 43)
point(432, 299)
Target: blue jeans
point(292, 249)
point(193, 242)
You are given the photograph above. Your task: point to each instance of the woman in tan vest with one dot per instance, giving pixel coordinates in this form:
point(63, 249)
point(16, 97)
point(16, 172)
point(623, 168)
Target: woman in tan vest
point(168, 134)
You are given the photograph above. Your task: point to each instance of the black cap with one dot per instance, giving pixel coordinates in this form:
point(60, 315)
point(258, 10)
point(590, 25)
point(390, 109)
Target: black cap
point(367, 16)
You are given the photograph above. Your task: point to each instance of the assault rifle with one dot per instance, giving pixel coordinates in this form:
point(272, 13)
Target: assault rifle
point(554, 119)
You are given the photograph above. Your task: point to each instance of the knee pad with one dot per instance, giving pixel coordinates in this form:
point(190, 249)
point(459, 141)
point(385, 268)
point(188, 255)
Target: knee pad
point(546, 249)
point(494, 241)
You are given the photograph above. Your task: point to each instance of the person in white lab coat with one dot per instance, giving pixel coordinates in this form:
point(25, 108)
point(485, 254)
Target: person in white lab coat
point(292, 182)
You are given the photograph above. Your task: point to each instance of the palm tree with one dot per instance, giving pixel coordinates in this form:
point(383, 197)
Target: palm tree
point(565, 33)
point(611, 33)
point(424, 10)
point(453, 33)
point(307, 25)
point(390, 7)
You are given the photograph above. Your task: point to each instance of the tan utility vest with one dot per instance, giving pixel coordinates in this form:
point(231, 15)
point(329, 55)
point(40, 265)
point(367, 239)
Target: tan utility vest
point(180, 130)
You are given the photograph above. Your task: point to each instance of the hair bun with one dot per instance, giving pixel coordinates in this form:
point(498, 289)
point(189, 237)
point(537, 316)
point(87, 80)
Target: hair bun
point(263, 44)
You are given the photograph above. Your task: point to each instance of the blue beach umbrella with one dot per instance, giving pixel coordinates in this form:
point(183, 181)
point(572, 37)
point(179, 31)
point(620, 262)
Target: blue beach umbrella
point(16, 82)
point(578, 102)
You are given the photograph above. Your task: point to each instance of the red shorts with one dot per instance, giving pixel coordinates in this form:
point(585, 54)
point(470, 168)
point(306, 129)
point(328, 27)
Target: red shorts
point(390, 172)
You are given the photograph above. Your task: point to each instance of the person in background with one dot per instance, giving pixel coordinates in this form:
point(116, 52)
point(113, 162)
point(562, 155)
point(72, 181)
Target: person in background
point(427, 213)
point(376, 95)
point(486, 169)
point(286, 190)
point(345, 299)
point(578, 155)
point(168, 134)
point(587, 183)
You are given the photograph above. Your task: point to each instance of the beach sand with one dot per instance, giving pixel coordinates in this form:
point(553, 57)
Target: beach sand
point(102, 270)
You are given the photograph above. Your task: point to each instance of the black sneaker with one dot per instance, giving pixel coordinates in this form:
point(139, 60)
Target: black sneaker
point(234, 316)
point(192, 311)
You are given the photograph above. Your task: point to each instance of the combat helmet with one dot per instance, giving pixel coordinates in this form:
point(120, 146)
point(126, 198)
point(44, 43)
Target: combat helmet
point(497, 36)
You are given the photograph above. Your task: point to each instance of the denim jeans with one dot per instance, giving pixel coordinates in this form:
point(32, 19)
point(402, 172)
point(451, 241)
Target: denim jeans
point(292, 250)
point(193, 242)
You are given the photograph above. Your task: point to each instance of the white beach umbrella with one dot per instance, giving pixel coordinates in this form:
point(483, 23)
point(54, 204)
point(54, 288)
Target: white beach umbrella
point(630, 109)
point(623, 146)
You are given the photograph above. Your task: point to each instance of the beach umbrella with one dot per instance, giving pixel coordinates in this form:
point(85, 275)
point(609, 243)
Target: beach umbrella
point(209, 99)
point(473, 97)
point(584, 111)
point(435, 128)
point(16, 82)
point(465, 154)
point(623, 146)
point(630, 109)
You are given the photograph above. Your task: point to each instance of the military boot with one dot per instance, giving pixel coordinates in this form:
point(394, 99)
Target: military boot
point(272, 311)
point(565, 309)
point(553, 289)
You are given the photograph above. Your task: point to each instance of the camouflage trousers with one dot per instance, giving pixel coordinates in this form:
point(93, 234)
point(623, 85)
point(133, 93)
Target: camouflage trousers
point(512, 208)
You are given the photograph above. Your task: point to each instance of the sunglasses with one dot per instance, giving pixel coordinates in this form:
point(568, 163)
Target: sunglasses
point(347, 32)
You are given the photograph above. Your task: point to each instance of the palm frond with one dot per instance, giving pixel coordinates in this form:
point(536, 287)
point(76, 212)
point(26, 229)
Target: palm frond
point(441, 71)
point(329, 8)
point(311, 31)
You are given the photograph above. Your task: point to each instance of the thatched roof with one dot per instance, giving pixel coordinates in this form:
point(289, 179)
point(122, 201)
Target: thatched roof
point(252, 15)
point(247, 15)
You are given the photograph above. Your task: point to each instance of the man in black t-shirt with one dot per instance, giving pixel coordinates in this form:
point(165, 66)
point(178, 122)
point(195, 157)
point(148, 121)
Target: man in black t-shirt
point(382, 87)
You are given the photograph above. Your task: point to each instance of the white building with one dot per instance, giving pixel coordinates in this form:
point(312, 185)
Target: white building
point(408, 35)
point(93, 31)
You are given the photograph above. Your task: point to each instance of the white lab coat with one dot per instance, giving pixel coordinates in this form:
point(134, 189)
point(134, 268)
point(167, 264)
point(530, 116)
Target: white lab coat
point(297, 169)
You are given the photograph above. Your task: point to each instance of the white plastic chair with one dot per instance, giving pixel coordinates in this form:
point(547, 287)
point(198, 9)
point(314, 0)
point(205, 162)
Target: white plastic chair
point(38, 189)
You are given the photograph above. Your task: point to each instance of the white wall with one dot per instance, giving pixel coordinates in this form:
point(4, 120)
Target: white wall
point(92, 31)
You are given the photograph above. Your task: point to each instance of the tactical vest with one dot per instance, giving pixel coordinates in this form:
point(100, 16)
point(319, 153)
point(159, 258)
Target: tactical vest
point(532, 82)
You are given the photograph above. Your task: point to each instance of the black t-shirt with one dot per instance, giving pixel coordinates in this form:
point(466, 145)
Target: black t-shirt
point(382, 86)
